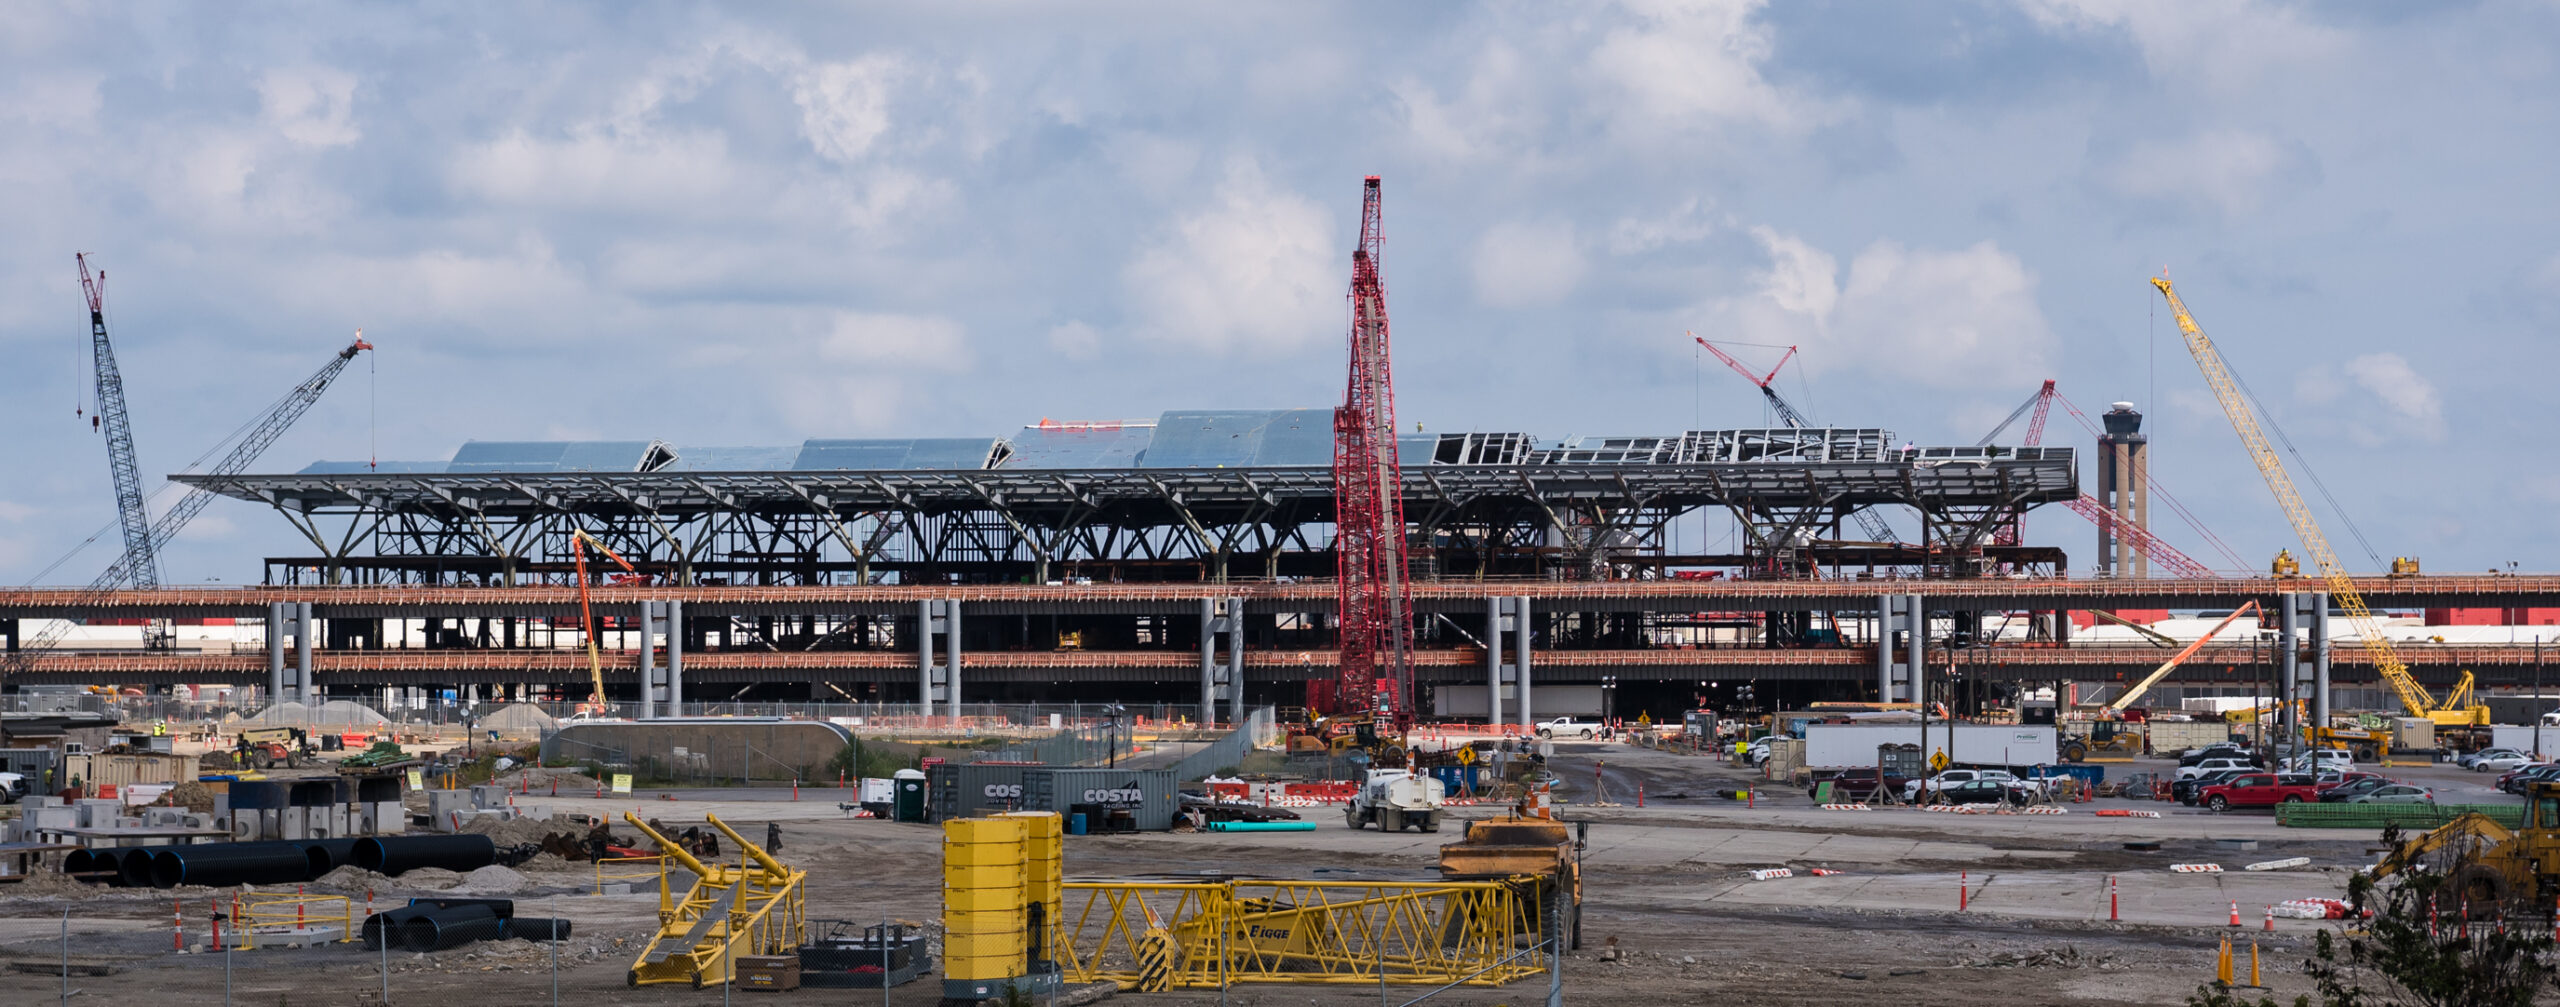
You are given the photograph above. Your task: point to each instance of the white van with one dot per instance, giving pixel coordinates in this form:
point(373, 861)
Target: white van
point(2322, 760)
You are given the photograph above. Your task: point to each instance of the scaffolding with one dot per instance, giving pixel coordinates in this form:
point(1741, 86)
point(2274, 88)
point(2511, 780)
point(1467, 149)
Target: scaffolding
point(1209, 935)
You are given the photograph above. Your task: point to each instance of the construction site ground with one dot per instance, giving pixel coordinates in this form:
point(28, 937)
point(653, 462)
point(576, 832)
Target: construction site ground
point(1671, 913)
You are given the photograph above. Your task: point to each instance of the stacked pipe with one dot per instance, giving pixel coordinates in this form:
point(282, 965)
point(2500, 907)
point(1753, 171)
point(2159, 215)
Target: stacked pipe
point(431, 924)
point(275, 862)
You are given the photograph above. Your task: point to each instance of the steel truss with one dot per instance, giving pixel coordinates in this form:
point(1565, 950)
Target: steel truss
point(1592, 521)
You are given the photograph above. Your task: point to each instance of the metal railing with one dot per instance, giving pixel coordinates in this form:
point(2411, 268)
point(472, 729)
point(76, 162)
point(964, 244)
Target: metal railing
point(602, 875)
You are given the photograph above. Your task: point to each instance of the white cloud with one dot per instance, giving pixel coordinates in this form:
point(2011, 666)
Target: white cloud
point(594, 168)
point(1490, 115)
point(1522, 263)
point(1075, 340)
point(1638, 235)
point(921, 342)
point(1687, 64)
point(1257, 269)
point(2225, 47)
point(2233, 170)
point(1962, 318)
point(2390, 378)
point(844, 107)
point(312, 105)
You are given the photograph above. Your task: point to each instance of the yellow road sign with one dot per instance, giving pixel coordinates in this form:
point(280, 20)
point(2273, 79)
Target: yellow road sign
point(1467, 756)
point(1938, 762)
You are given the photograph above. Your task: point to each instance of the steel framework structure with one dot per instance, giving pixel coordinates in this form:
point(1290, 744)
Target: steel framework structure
point(1577, 520)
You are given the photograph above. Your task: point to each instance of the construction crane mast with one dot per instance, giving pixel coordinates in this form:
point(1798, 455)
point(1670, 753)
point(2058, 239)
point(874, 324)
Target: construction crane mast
point(1874, 526)
point(1376, 608)
point(2342, 586)
point(140, 564)
point(259, 435)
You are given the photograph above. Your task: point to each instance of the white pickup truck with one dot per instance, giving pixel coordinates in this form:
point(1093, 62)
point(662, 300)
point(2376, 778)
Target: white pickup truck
point(1567, 727)
point(1394, 798)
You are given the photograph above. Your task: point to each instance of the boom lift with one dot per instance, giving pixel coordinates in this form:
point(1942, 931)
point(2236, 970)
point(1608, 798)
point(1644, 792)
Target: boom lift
point(2342, 586)
point(579, 540)
point(2112, 737)
point(1877, 531)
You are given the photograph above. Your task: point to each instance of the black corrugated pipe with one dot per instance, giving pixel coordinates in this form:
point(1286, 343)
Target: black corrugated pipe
point(89, 867)
point(500, 908)
point(133, 866)
point(537, 928)
point(450, 926)
point(276, 863)
point(392, 918)
point(394, 855)
point(334, 854)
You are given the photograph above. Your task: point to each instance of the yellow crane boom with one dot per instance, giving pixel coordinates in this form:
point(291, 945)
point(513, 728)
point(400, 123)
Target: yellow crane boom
point(2342, 587)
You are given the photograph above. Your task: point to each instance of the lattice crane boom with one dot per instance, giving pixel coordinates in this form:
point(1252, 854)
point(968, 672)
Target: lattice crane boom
point(2342, 586)
point(1376, 670)
point(261, 434)
point(140, 563)
point(1874, 526)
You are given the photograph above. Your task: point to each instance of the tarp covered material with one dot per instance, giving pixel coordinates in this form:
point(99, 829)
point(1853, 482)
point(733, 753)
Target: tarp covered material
point(334, 713)
point(520, 718)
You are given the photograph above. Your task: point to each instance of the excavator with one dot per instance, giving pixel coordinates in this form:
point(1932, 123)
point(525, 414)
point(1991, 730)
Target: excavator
point(2490, 868)
point(2457, 709)
point(2108, 736)
point(579, 540)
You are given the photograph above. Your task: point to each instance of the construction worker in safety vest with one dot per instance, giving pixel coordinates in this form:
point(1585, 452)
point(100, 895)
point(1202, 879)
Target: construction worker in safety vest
point(160, 729)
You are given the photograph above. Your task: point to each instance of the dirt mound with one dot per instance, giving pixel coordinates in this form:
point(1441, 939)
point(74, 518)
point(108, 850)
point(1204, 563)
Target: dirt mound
point(492, 880)
point(518, 831)
point(334, 713)
point(53, 883)
point(547, 862)
point(434, 879)
point(193, 796)
point(353, 880)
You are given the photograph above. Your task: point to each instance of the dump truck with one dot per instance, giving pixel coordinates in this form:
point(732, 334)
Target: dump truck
point(1528, 846)
point(2489, 868)
point(1394, 798)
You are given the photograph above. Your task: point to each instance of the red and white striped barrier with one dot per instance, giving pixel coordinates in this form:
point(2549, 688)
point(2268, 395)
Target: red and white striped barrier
point(2196, 868)
point(2124, 813)
point(2312, 909)
point(1844, 807)
point(2278, 865)
point(2044, 809)
point(1772, 874)
point(1821, 872)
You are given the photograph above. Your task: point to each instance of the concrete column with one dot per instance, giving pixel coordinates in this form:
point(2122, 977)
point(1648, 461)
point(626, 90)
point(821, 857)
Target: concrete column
point(924, 658)
point(951, 646)
point(2288, 654)
point(1918, 624)
point(1520, 659)
point(1235, 662)
point(675, 659)
point(1493, 661)
point(2320, 658)
point(1208, 662)
point(1884, 648)
point(275, 652)
point(305, 640)
point(648, 662)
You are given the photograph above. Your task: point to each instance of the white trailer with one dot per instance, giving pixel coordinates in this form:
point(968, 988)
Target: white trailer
point(2521, 738)
point(1848, 746)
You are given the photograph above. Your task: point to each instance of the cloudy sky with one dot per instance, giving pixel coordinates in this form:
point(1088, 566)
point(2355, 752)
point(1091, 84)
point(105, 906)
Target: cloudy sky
point(677, 221)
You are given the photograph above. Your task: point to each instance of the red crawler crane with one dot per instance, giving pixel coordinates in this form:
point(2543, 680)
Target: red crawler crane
point(1376, 675)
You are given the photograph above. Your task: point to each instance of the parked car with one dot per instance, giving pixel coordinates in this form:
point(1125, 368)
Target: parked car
point(2258, 790)
point(2397, 793)
point(2185, 790)
point(2352, 789)
point(2515, 779)
point(1982, 792)
point(2494, 760)
point(2326, 780)
point(2322, 759)
point(2213, 765)
point(1915, 789)
point(1759, 751)
point(1567, 727)
point(2225, 751)
point(13, 787)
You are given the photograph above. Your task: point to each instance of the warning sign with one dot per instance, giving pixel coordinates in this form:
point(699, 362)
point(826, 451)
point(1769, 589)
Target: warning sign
point(622, 783)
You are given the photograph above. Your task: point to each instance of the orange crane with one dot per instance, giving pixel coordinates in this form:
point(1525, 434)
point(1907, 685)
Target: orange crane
point(2151, 546)
point(579, 540)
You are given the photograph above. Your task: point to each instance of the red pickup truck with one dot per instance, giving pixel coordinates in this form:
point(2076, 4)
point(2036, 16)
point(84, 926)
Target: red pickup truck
point(2259, 790)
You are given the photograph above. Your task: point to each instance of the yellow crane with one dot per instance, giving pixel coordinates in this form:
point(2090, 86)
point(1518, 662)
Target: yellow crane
point(2342, 587)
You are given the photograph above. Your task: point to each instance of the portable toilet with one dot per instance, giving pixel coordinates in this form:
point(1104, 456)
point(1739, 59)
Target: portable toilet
point(908, 796)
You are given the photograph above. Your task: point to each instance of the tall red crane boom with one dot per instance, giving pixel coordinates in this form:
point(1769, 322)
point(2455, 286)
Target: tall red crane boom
point(1376, 608)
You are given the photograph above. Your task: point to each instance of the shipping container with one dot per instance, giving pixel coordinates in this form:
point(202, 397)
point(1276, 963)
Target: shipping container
point(2177, 736)
point(976, 789)
point(126, 770)
point(1846, 746)
point(1147, 794)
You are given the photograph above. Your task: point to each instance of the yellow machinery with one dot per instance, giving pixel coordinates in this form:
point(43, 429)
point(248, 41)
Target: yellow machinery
point(2489, 868)
point(2342, 587)
point(758, 907)
point(1013, 925)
